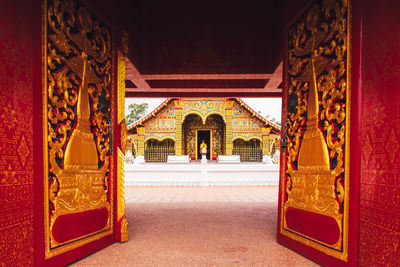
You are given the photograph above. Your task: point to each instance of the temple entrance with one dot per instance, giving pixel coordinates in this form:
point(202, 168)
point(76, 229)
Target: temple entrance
point(203, 135)
point(212, 131)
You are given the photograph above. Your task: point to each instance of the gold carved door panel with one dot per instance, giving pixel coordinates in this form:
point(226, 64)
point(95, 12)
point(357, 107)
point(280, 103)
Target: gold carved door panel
point(78, 203)
point(314, 176)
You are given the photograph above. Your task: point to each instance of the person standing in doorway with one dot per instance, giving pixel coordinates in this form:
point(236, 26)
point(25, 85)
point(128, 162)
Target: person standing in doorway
point(203, 148)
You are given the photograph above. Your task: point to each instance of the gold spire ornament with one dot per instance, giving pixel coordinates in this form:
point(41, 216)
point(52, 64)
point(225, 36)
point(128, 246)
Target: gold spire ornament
point(81, 151)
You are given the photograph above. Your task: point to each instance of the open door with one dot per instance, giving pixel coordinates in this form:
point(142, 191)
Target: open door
point(83, 133)
point(314, 180)
point(206, 137)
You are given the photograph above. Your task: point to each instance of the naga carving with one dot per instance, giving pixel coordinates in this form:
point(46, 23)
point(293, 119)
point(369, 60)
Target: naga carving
point(316, 112)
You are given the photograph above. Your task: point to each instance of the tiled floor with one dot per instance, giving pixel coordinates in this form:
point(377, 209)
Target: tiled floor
point(199, 226)
point(201, 194)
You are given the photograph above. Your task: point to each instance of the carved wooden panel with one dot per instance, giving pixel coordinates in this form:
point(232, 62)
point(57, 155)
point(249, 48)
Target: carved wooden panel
point(77, 123)
point(314, 196)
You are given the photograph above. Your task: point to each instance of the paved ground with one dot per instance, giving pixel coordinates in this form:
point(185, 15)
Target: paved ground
point(199, 226)
point(202, 194)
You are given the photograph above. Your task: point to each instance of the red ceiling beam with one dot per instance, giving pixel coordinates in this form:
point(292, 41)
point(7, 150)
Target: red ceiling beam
point(207, 76)
point(205, 90)
point(132, 71)
point(167, 94)
point(277, 79)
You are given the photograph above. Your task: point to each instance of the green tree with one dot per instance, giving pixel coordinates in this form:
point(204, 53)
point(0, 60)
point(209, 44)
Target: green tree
point(273, 120)
point(270, 118)
point(136, 111)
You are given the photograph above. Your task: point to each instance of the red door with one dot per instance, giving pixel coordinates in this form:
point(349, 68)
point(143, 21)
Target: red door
point(78, 111)
point(315, 171)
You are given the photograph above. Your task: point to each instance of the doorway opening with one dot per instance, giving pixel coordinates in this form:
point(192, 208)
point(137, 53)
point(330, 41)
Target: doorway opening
point(204, 135)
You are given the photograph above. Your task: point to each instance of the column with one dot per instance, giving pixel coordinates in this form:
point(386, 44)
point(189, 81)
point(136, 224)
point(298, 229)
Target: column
point(178, 127)
point(265, 140)
point(140, 132)
point(229, 128)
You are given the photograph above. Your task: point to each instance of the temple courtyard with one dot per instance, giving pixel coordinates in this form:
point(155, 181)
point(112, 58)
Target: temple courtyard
point(199, 226)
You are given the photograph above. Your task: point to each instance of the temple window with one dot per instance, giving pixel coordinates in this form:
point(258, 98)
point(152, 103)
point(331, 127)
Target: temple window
point(248, 150)
point(158, 151)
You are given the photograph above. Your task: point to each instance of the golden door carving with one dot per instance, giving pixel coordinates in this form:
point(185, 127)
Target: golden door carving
point(317, 108)
point(77, 121)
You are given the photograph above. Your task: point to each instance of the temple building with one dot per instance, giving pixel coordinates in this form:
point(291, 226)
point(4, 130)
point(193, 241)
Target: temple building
point(228, 126)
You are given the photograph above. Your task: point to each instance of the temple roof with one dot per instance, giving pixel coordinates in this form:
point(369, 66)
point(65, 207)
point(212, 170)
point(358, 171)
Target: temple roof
point(240, 102)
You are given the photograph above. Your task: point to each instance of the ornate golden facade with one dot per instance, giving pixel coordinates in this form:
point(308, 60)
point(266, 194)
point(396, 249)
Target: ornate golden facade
point(186, 121)
point(317, 109)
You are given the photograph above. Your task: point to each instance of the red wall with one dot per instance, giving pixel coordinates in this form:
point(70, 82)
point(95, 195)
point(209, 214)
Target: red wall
point(21, 141)
point(16, 135)
point(380, 135)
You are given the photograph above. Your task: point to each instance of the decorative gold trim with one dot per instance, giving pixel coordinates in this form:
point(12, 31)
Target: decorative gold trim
point(121, 185)
point(124, 136)
point(203, 116)
point(121, 87)
point(196, 144)
point(44, 125)
point(346, 197)
point(147, 138)
point(211, 145)
point(124, 230)
point(248, 138)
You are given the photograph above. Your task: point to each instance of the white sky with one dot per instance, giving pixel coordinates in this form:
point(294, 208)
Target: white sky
point(267, 106)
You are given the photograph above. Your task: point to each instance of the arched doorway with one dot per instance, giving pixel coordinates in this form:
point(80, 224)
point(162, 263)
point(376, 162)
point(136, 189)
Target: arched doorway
point(212, 132)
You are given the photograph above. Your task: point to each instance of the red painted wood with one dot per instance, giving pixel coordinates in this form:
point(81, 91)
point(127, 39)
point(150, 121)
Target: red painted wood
point(380, 135)
point(319, 227)
point(16, 134)
point(199, 93)
point(72, 226)
point(39, 246)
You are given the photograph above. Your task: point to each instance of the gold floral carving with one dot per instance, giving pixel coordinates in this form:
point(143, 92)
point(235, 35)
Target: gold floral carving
point(190, 142)
point(124, 136)
point(121, 185)
point(125, 42)
point(121, 87)
point(124, 230)
point(77, 112)
point(204, 107)
point(317, 110)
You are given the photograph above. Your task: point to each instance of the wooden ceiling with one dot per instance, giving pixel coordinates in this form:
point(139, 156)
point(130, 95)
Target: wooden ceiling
point(200, 85)
point(202, 48)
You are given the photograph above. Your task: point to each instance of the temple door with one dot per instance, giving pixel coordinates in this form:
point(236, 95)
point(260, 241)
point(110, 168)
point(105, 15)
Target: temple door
point(84, 133)
point(314, 177)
